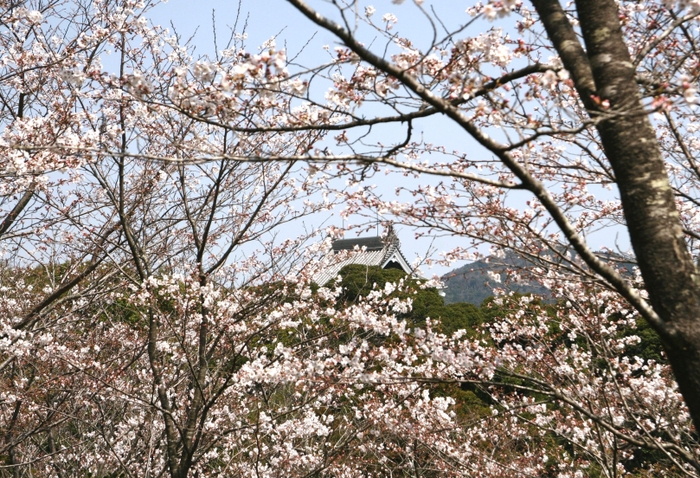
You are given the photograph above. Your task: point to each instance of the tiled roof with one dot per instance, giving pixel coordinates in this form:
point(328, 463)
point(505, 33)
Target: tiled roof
point(369, 251)
point(369, 243)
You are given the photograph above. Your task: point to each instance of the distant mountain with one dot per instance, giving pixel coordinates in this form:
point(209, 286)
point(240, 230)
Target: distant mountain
point(472, 283)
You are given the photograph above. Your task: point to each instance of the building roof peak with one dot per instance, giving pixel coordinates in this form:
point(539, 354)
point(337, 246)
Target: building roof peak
point(369, 243)
point(383, 251)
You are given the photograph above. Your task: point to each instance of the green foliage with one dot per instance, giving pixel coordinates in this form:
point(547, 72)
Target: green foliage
point(650, 346)
point(47, 275)
point(358, 281)
point(424, 301)
point(457, 316)
point(491, 310)
point(121, 310)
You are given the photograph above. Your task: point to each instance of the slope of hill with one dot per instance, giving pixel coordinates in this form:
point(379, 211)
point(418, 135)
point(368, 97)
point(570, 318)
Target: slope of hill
point(475, 282)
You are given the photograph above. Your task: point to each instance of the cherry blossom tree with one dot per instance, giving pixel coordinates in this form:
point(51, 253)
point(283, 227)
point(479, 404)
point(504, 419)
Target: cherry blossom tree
point(561, 98)
point(159, 319)
point(114, 253)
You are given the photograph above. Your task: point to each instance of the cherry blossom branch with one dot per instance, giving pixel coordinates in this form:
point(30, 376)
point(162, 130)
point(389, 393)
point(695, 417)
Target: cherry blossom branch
point(309, 158)
point(548, 389)
point(529, 182)
point(422, 112)
point(17, 210)
point(661, 37)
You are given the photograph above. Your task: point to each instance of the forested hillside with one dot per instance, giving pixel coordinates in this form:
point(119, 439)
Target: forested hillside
point(475, 282)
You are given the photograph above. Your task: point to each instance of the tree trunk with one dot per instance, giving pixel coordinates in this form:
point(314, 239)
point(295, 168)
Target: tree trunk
point(605, 71)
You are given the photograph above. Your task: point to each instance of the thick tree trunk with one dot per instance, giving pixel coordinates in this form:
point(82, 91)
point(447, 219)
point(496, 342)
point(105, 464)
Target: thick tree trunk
point(605, 71)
